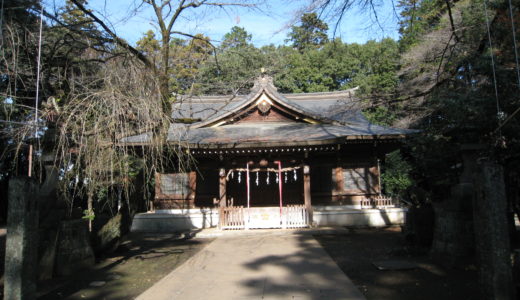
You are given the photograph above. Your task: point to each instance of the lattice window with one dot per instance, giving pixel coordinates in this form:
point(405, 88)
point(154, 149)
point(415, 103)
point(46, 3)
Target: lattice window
point(175, 184)
point(359, 179)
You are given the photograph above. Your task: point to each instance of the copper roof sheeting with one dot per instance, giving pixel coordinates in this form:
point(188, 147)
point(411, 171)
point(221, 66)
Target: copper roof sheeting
point(336, 112)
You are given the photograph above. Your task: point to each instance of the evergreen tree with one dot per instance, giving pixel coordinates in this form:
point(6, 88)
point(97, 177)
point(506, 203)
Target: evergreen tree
point(312, 33)
point(238, 37)
point(235, 67)
point(417, 18)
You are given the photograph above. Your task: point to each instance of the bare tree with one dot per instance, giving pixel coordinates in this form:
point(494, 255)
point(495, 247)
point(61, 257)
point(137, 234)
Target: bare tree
point(167, 14)
point(336, 10)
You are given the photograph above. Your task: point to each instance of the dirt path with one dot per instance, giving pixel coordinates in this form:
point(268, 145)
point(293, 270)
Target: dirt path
point(356, 251)
point(257, 266)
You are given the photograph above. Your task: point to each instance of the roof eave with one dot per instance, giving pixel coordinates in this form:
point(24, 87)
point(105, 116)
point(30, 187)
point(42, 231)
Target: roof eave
point(303, 143)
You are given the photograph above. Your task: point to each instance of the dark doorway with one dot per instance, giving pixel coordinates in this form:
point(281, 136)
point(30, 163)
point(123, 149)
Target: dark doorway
point(264, 188)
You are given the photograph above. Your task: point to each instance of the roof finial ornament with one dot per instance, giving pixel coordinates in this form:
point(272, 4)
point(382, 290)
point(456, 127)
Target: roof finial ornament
point(264, 80)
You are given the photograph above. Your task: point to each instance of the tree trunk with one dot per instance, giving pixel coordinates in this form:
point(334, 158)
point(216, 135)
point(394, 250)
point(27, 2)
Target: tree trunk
point(90, 208)
point(491, 233)
point(164, 80)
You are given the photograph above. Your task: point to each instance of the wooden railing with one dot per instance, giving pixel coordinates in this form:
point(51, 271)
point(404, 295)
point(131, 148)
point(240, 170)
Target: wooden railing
point(232, 217)
point(295, 216)
point(377, 202)
point(238, 217)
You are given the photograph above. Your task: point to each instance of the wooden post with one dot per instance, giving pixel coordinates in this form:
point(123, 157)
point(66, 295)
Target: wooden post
point(307, 192)
point(491, 233)
point(222, 187)
point(21, 251)
point(379, 187)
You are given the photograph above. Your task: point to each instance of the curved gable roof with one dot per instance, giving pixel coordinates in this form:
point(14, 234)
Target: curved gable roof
point(325, 117)
point(263, 86)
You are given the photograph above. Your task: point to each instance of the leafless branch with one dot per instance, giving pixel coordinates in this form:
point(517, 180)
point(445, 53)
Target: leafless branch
point(116, 38)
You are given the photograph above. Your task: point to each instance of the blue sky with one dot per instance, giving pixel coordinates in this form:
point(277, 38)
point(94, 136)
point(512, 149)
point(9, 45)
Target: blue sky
point(269, 26)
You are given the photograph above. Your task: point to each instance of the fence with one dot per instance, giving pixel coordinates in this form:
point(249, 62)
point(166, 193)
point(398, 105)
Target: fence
point(232, 217)
point(377, 202)
point(239, 217)
point(295, 216)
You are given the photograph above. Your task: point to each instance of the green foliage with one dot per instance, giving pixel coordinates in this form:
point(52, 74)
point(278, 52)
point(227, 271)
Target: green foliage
point(418, 17)
point(88, 215)
point(238, 37)
point(395, 177)
point(186, 58)
point(376, 70)
point(311, 34)
point(237, 64)
point(149, 46)
point(449, 65)
point(336, 66)
point(311, 64)
point(380, 115)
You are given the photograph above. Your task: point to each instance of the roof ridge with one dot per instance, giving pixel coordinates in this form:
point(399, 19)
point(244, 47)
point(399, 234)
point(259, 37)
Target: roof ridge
point(350, 92)
point(232, 97)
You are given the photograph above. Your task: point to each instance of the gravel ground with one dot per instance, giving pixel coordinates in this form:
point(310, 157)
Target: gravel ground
point(356, 251)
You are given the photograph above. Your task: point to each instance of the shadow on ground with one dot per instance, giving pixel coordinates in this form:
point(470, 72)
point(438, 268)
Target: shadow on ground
point(355, 252)
point(138, 263)
point(315, 276)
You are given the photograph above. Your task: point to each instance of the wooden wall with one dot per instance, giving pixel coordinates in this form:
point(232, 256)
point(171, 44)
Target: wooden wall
point(333, 184)
point(342, 177)
point(175, 190)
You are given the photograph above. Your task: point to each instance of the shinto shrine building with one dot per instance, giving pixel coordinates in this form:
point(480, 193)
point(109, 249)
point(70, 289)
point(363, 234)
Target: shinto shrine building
point(272, 160)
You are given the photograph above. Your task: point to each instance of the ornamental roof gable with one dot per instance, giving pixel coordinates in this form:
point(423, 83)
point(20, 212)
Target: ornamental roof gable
point(263, 104)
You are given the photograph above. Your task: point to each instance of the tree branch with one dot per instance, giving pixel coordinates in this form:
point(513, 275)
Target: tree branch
point(116, 38)
point(451, 20)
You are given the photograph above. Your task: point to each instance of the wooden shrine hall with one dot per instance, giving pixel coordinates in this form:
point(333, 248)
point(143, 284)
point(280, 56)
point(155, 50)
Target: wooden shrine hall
point(272, 160)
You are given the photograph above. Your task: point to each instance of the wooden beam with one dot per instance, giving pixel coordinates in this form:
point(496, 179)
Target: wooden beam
point(307, 192)
point(222, 187)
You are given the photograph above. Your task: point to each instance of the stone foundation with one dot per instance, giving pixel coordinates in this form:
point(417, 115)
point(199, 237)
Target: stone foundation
point(337, 216)
point(174, 220)
point(74, 252)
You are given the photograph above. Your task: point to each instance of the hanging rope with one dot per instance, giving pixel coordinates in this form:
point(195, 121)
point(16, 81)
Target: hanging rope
point(38, 66)
point(517, 64)
point(1, 23)
point(230, 171)
point(492, 57)
point(507, 120)
point(514, 42)
point(36, 99)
